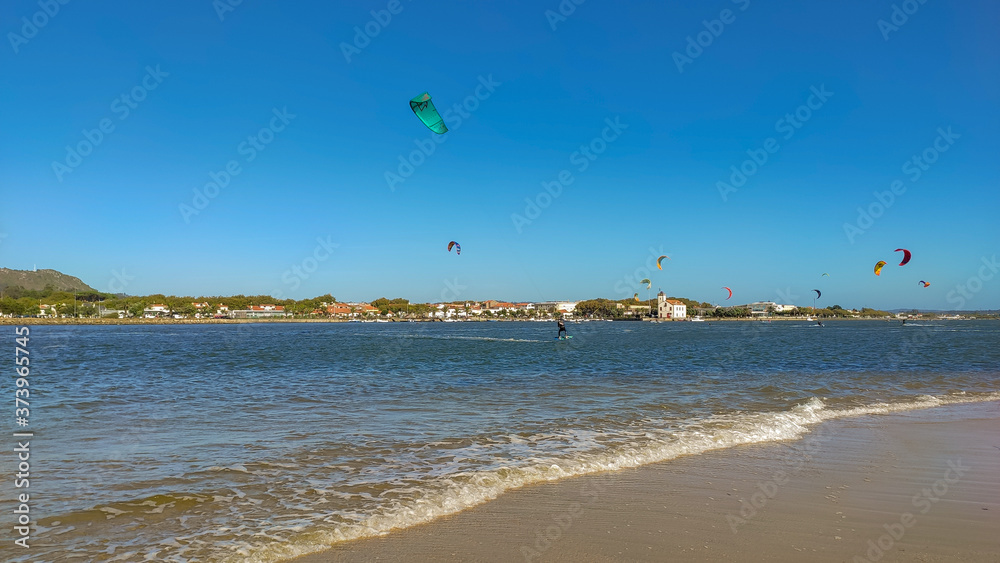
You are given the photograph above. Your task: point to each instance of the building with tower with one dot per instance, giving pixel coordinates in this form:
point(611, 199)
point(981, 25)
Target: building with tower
point(671, 309)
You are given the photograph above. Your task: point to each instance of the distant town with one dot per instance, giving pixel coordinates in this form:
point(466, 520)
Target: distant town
point(52, 295)
point(662, 308)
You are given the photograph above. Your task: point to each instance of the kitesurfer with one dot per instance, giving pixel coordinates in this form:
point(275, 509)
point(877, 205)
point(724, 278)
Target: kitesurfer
point(562, 329)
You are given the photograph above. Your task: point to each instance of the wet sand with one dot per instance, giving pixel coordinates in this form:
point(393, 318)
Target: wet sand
point(916, 486)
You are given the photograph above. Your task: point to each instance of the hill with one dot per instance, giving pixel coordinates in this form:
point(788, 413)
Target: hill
point(39, 279)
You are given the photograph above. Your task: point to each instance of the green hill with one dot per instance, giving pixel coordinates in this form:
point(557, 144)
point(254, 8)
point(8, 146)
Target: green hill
point(40, 279)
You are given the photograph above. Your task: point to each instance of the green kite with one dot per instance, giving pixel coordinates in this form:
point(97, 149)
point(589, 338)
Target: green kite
point(424, 108)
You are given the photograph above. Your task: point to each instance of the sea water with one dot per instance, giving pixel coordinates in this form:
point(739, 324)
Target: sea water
point(259, 442)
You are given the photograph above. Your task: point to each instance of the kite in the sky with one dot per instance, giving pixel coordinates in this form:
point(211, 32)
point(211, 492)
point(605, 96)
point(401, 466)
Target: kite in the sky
point(730, 293)
point(456, 246)
point(818, 293)
point(646, 281)
point(923, 283)
point(424, 108)
point(906, 255)
point(825, 274)
point(660, 259)
point(636, 297)
point(878, 267)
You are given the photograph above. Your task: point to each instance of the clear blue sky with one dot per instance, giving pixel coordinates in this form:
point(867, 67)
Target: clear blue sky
point(654, 186)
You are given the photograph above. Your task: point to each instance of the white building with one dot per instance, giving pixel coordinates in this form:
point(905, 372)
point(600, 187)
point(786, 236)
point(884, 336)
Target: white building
point(761, 308)
point(568, 306)
point(155, 310)
point(447, 311)
point(259, 311)
point(670, 308)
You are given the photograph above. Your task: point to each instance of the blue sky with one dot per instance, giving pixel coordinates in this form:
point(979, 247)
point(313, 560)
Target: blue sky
point(199, 85)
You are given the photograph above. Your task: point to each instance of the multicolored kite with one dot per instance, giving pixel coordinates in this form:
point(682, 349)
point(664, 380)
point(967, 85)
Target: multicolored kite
point(456, 246)
point(660, 259)
point(878, 267)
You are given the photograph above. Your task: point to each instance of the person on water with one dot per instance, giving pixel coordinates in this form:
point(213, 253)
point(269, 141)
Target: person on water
point(562, 329)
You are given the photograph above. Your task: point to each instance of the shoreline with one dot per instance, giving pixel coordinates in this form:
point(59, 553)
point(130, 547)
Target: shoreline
point(84, 321)
point(39, 321)
point(890, 487)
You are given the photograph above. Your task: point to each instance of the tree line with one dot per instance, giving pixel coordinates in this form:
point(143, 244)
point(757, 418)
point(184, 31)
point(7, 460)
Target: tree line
point(18, 301)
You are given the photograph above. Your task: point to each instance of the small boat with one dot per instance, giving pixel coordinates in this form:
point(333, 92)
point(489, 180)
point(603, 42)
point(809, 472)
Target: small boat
point(697, 320)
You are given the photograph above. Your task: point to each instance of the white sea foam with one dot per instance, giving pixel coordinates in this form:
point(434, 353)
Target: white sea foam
point(460, 491)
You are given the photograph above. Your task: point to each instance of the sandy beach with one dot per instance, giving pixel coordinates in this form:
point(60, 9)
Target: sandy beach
point(920, 485)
